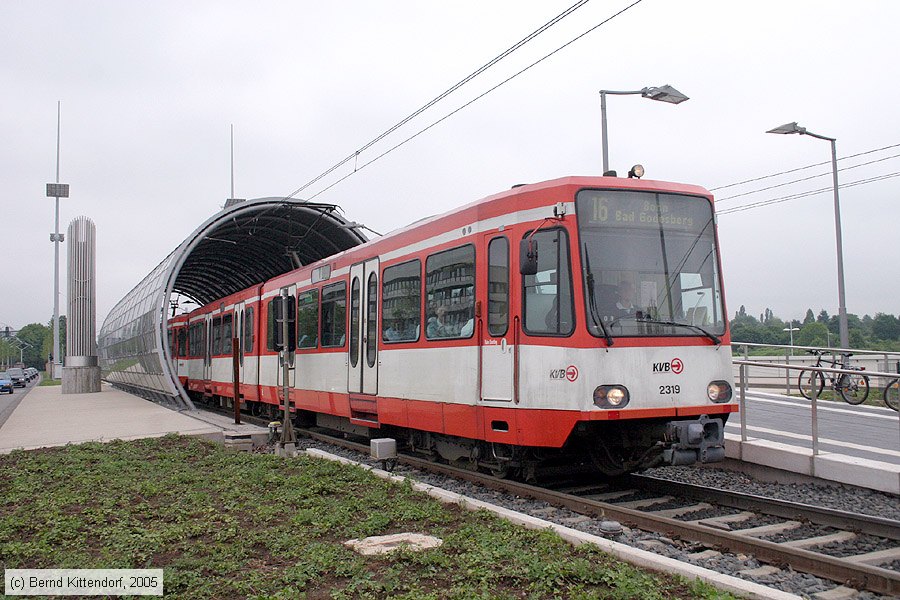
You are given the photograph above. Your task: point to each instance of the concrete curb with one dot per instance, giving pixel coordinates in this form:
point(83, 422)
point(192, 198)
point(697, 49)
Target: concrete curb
point(635, 556)
point(861, 472)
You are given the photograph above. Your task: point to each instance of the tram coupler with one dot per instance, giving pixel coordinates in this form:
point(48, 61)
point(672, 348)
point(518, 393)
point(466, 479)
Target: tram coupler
point(701, 440)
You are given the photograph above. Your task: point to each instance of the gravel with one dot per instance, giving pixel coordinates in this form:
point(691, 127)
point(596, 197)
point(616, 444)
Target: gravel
point(806, 586)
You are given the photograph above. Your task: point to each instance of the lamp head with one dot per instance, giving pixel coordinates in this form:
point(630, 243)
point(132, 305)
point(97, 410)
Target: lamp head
point(788, 128)
point(665, 93)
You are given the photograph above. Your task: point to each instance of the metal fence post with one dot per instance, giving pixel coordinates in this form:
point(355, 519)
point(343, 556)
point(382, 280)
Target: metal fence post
point(787, 374)
point(743, 375)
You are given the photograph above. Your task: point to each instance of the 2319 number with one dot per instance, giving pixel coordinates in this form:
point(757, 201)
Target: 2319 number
point(670, 389)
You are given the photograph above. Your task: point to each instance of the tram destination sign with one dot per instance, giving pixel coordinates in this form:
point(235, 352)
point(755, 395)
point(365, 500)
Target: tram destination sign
point(645, 210)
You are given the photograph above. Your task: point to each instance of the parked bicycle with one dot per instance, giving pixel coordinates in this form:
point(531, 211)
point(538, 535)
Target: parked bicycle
point(892, 392)
point(853, 388)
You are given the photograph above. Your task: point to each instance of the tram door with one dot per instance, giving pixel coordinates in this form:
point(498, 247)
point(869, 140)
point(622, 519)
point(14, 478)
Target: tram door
point(207, 347)
point(497, 333)
point(363, 348)
point(236, 332)
point(289, 354)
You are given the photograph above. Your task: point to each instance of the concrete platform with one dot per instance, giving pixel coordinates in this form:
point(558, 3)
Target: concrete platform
point(47, 417)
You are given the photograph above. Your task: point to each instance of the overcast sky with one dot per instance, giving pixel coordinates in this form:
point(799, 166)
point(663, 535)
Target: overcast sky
point(150, 90)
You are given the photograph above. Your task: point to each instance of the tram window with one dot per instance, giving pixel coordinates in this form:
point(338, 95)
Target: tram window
point(248, 330)
point(450, 294)
point(217, 335)
point(498, 286)
point(547, 295)
point(270, 325)
point(401, 302)
point(226, 334)
point(354, 321)
point(182, 342)
point(372, 320)
point(334, 315)
point(307, 318)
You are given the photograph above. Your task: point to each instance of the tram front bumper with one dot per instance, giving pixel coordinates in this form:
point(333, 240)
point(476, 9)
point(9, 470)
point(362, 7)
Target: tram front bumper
point(700, 440)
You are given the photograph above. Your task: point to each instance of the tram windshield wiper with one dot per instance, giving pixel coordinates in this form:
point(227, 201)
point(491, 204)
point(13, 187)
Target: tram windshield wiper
point(595, 314)
point(715, 339)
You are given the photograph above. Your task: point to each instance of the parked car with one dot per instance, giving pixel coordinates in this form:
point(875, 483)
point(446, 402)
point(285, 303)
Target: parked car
point(17, 375)
point(6, 384)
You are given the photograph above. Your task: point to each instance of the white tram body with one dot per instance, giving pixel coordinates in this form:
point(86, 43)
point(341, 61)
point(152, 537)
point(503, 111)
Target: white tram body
point(576, 321)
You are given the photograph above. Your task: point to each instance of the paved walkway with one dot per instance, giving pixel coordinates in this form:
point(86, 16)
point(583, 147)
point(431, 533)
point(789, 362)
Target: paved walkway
point(47, 417)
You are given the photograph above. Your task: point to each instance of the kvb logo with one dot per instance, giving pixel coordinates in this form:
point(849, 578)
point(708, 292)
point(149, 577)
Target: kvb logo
point(673, 366)
point(570, 373)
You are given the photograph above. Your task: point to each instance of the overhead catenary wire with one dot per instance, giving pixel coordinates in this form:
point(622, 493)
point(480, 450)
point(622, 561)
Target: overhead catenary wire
point(828, 173)
point(819, 164)
point(807, 193)
point(475, 99)
point(355, 155)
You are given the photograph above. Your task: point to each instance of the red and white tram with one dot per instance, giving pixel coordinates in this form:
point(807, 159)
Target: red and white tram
point(576, 321)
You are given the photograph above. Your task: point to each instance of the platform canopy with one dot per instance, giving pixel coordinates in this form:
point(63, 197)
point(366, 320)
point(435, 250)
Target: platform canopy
point(246, 243)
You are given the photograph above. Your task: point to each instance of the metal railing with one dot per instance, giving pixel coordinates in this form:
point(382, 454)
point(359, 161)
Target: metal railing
point(813, 394)
point(887, 361)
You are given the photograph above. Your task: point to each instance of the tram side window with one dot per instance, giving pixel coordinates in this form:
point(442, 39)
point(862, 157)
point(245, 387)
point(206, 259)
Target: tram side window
point(226, 334)
point(307, 319)
point(270, 325)
point(401, 299)
point(334, 315)
point(547, 295)
point(217, 335)
point(450, 294)
point(498, 286)
point(182, 342)
point(248, 330)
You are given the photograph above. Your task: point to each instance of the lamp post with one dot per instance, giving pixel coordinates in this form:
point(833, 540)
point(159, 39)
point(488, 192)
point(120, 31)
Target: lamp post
point(56, 190)
point(792, 329)
point(664, 93)
point(789, 128)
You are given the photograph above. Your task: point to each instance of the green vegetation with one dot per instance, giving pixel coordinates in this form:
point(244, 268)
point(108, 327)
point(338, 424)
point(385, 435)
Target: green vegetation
point(225, 524)
point(881, 332)
point(39, 340)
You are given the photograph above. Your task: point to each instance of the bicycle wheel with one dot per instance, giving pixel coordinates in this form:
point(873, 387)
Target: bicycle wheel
point(892, 394)
point(803, 383)
point(854, 389)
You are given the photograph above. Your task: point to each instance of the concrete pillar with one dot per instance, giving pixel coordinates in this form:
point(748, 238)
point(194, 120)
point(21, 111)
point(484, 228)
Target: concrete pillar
point(81, 373)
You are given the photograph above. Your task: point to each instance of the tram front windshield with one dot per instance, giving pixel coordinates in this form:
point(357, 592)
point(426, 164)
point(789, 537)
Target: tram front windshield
point(653, 263)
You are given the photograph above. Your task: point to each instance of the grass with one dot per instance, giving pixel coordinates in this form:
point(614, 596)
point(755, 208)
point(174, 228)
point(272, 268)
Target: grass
point(225, 524)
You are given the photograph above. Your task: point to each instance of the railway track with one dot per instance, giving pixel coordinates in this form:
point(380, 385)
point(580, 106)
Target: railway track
point(633, 504)
point(780, 533)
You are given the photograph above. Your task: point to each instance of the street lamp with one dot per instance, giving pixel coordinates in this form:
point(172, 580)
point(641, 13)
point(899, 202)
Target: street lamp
point(56, 190)
point(842, 306)
point(792, 329)
point(664, 93)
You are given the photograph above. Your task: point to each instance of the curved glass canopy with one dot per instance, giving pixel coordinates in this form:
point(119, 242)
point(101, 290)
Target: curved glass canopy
point(244, 244)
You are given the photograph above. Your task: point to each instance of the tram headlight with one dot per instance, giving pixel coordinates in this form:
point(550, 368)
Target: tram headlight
point(611, 396)
point(719, 391)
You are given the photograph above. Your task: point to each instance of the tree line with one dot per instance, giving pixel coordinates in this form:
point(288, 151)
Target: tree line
point(39, 340)
point(881, 332)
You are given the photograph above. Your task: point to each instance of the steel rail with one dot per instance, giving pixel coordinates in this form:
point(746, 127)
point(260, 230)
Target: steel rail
point(847, 521)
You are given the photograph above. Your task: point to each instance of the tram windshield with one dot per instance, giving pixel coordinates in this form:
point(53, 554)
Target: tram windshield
point(650, 264)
